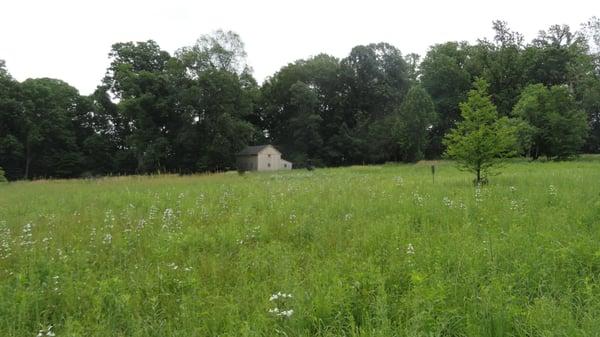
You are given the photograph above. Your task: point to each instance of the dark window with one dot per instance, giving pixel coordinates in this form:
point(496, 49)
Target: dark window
point(269, 164)
point(284, 165)
point(269, 155)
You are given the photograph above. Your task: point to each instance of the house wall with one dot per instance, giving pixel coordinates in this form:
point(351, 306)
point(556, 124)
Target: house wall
point(269, 159)
point(285, 165)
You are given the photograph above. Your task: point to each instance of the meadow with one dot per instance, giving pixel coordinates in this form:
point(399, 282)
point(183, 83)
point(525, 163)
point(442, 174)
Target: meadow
point(357, 251)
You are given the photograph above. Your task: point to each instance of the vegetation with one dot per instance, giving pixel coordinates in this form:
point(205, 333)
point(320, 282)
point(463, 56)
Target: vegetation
point(190, 111)
point(363, 251)
point(558, 126)
point(480, 140)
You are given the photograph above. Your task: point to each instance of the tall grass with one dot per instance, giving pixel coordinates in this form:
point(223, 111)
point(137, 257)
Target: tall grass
point(363, 251)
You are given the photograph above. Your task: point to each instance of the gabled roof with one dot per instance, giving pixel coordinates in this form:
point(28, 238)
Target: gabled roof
point(254, 150)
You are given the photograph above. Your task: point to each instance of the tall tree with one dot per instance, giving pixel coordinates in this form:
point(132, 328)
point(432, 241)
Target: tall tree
point(219, 99)
point(446, 77)
point(559, 126)
point(12, 150)
point(49, 139)
point(375, 81)
point(303, 100)
point(141, 77)
point(416, 119)
point(481, 140)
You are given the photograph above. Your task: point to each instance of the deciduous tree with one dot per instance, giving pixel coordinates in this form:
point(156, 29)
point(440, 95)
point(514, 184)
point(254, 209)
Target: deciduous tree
point(481, 141)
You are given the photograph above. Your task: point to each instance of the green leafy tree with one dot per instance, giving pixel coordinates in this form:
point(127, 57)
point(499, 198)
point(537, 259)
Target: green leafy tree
point(416, 118)
point(558, 126)
point(49, 122)
point(2, 177)
point(303, 101)
point(217, 102)
point(446, 77)
point(306, 123)
point(481, 141)
point(145, 79)
point(12, 150)
point(375, 79)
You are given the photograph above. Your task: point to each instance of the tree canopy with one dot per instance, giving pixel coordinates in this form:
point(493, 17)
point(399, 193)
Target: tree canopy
point(193, 109)
point(481, 140)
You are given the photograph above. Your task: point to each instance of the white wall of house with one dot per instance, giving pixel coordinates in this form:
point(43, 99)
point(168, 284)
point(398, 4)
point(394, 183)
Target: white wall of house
point(267, 159)
point(285, 165)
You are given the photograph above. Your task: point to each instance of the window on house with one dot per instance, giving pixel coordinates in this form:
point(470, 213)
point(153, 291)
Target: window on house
point(269, 155)
point(268, 164)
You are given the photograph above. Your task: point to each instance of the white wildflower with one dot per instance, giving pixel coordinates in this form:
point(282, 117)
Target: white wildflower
point(418, 199)
point(449, 203)
point(46, 332)
point(5, 246)
point(287, 313)
point(552, 191)
point(478, 194)
point(27, 235)
point(410, 250)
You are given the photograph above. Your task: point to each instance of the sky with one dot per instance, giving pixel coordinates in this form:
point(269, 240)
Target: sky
point(70, 39)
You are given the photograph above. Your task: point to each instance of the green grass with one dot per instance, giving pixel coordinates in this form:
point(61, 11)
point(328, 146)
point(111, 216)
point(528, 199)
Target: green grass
point(202, 255)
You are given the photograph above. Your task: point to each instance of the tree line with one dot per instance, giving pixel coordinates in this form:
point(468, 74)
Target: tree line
point(192, 110)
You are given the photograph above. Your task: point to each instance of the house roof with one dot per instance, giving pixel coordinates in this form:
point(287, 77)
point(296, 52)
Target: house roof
point(254, 150)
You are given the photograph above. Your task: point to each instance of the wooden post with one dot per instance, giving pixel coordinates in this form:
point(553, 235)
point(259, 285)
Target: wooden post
point(433, 174)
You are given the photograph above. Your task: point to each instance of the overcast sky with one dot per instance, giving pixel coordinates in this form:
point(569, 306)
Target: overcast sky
point(70, 39)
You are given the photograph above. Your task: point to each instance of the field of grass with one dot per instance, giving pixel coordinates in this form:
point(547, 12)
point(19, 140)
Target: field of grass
point(359, 251)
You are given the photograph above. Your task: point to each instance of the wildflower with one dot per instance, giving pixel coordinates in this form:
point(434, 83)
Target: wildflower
point(418, 199)
point(27, 235)
point(552, 191)
point(107, 239)
point(46, 332)
point(287, 313)
point(279, 298)
point(109, 219)
point(478, 194)
point(152, 212)
point(5, 234)
point(449, 203)
point(410, 250)
point(512, 189)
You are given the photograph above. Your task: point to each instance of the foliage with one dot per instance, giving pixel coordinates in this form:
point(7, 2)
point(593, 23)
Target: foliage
point(416, 118)
point(559, 127)
point(2, 177)
point(445, 76)
point(481, 140)
point(192, 110)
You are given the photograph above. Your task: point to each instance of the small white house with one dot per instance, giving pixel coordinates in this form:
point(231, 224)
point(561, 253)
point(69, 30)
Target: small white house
point(261, 158)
